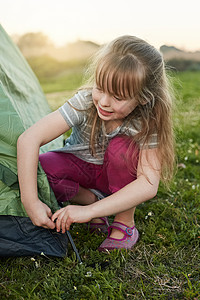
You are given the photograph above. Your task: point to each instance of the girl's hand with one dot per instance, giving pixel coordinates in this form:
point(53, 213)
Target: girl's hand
point(71, 214)
point(40, 214)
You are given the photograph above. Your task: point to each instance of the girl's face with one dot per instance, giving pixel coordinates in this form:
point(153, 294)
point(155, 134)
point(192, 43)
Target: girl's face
point(111, 108)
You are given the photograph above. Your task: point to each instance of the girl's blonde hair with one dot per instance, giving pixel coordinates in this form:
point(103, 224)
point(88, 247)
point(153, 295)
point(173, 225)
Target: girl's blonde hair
point(129, 67)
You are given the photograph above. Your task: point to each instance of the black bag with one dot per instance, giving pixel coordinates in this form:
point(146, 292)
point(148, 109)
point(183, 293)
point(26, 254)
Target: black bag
point(19, 237)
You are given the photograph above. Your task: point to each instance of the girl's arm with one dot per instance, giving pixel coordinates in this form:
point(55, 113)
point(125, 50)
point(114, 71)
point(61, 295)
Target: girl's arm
point(140, 190)
point(28, 145)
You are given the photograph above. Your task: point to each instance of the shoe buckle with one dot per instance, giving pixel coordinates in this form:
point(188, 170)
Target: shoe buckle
point(129, 231)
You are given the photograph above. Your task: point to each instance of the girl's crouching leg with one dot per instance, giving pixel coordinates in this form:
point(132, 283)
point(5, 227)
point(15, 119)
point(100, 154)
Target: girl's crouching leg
point(54, 165)
point(121, 159)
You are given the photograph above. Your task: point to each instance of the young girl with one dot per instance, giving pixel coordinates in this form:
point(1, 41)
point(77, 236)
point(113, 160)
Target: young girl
point(120, 147)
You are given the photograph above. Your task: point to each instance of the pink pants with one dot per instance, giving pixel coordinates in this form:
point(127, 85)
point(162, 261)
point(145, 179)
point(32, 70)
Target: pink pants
point(66, 172)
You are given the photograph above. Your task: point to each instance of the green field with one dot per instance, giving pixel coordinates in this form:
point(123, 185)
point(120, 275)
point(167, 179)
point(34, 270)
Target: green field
point(165, 263)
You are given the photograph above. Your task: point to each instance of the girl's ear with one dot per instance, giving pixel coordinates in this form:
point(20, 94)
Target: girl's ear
point(148, 104)
point(143, 102)
point(148, 99)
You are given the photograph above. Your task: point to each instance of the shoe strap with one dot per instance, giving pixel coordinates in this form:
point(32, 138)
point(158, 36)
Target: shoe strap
point(123, 228)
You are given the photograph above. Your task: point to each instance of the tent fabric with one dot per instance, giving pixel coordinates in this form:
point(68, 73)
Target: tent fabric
point(22, 103)
point(19, 237)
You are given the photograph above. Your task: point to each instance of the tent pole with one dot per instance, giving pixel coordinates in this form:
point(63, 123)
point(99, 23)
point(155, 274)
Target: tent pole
point(74, 246)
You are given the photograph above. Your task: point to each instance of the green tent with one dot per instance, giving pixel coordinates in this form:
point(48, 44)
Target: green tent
point(22, 103)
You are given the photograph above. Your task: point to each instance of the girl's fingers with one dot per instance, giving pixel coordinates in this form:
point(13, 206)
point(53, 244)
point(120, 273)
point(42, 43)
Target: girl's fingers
point(58, 224)
point(49, 224)
point(64, 223)
point(58, 219)
point(67, 224)
point(56, 214)
point(64, 219)
point(61, 221)
point(49, 213)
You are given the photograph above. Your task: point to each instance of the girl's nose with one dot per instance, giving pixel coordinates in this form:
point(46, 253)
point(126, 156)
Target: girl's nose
point(105, 100)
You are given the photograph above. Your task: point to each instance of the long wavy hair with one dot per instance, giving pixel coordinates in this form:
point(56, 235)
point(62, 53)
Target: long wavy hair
point(129, 67)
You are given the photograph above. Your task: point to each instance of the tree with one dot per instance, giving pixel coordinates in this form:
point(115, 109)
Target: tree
point(34, 39)
point(34, 44)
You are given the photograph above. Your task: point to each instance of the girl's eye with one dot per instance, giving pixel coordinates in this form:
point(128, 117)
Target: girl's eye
point(98, 89)
point(117, 98)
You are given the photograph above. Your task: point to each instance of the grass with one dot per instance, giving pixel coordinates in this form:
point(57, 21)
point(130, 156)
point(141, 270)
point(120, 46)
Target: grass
point(63, 82)
point(165, 262)
point(56, 76)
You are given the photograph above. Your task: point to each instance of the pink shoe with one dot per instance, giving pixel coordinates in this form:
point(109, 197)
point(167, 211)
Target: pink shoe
point(99, 227)
point(131, 236)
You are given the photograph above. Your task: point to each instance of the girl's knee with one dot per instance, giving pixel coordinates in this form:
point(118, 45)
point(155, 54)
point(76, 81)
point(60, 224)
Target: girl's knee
point(50, 162)
point(46, 158)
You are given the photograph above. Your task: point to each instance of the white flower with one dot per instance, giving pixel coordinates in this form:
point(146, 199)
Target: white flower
point(150, 214)
point(89, 274)
point(193, 187)
point(186, 158)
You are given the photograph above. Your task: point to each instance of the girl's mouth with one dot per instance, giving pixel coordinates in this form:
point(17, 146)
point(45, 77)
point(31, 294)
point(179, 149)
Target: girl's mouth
point(104, 112)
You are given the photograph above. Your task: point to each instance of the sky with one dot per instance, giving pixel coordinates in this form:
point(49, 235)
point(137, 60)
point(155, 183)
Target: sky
point(171, 22)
